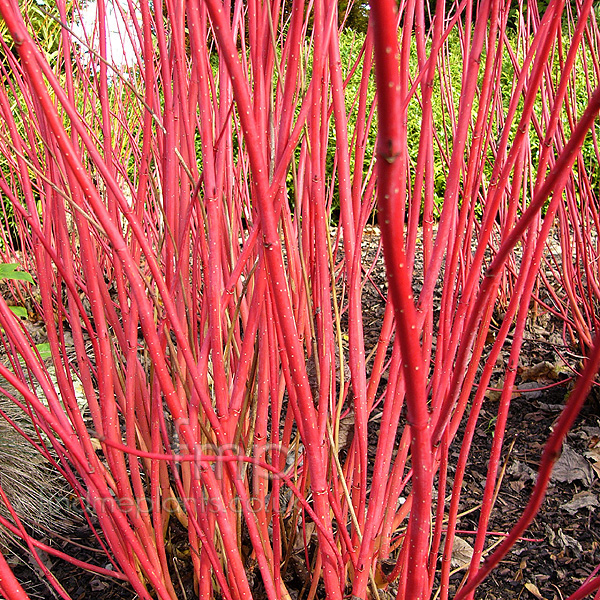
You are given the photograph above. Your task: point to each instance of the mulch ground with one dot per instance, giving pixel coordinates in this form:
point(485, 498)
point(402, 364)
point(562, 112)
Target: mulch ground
point(563, 546)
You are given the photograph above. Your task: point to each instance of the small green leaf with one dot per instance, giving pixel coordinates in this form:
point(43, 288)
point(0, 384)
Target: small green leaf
point(19, 311)
point(9, 271)
point(44, 350)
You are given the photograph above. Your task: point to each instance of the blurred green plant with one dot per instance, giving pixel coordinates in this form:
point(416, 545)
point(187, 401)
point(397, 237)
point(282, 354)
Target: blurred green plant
point(10, 271)
point(42, 19)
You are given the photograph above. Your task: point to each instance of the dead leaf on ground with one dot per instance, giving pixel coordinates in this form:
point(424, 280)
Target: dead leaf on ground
point(571, 466)
point(594, 455)
point(495, 394)
point(462, 553)
point(559, 539)
point(543, 370)
point(533, 589)
point(531, 390)
point(346, 432)
point(579, 501)
point(566, 541)
point(551, 535)
point(522, 470)
point(300, 536)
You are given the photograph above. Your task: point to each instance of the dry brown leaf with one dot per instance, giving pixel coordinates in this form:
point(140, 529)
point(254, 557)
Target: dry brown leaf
point(494, 392)
point(96, 445)
point(299, 542)
point(462, 553)
point(571, 466)
point(530, 390)
point(579, 501)
point(594, 454)
point(533, 589)
point(566, 541)
point(516, 486)
point(543, 370)
point(346, 432)
point(523, 471)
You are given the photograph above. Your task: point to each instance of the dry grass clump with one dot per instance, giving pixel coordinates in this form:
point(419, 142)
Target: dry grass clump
point(35, 490)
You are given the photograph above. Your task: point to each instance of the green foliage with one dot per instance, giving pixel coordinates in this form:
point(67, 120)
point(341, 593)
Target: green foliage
point(350, 45)
point(9, 271)
point(447, 94)
point(354, 15)
point(44, 350)
point(19, 311)
point(43, 20)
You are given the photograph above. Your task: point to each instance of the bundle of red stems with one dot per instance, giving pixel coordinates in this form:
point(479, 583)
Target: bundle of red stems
point(194, 221)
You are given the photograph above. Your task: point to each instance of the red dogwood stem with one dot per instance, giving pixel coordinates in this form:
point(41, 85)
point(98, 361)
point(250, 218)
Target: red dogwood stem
point(391, 193)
